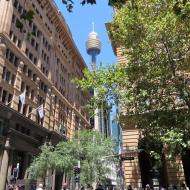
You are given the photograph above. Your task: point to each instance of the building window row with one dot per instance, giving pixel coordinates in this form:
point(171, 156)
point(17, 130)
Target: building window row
point(61, 105)
point(45, 57)
point(43, 86)
point(49, 17)
point(30, 93)
point(59, 64)
point(5, 96)
point(61, 118)
point(37, 11)
point(62, 51)
point(21, 11)
point(46, 44)
point(48, 28)
point(31, 56)
point(34, 44)
point(8, 76)
point(62, 80)
point(18, 24)
point(62, 91)
point(40, 3)
point(12, 58)
point(15, 39)
point(18, 7)
point(29, 73)
point(41, 100)
point(44, 70)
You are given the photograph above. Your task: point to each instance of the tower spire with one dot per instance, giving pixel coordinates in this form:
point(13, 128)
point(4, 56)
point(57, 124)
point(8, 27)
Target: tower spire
point(93, 26)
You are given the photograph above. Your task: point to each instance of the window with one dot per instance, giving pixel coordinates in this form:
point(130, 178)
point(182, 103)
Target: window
point(15, 4)
point(30, 110)
point(22, 87)
point(34, 77)
point(12, 80)
point(27, 90)
point(32, 42)
point(16, 61)
point(24, 68)
point(20, 9)
point(32, 94)
point(29, 73)
point(4, 96)
point(26, 51)
point(30, 56)
point(36, 47)
point(19, 44)
point(7, 77)
point(10, 98)
point(11, 57)
point(25, 109)
point(10, 34)
point(4, 72)
point(14, 39)
point(35, 60)
point(34, 30)
point(19, 106)
point(45, 88)
point(38, 33)
point(30, 23)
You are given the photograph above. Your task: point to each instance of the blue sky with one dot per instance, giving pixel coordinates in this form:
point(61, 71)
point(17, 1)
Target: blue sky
point(80, 24)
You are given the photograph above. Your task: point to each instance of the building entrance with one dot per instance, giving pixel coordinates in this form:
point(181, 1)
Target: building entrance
point(152, 172)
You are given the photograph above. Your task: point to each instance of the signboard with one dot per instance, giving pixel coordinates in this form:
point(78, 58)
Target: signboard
point(128, 158)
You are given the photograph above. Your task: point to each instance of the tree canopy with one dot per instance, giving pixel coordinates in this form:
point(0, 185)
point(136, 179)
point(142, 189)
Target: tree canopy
point(152, 86)
point(93, 150)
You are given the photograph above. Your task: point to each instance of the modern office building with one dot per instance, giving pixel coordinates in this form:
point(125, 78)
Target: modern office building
point(38, 58)
point(137, 168)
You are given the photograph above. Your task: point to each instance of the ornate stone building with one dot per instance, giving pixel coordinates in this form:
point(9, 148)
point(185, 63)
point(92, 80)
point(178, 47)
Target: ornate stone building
point(137, 169)
point(39, 57)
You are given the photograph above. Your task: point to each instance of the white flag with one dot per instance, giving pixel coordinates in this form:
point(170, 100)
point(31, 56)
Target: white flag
point(22, 97)
point(41, 111)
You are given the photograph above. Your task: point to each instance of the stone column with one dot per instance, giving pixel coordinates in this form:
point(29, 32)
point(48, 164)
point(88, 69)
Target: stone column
point(4, 165)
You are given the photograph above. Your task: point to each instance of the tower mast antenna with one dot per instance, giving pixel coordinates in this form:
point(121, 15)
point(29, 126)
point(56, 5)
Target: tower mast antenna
point(93, 26)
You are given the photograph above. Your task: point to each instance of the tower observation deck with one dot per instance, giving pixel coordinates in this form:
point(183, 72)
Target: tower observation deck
point(93, 46)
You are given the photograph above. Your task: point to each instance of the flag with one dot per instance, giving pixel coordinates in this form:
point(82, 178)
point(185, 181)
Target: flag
point(41, 111)
point(22, 97)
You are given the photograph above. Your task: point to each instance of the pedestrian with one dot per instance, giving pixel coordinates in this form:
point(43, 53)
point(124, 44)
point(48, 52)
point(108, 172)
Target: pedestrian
point(162, 188)
point(129, 187)
point(99, 187)
point(147, 187)
point(40, 187)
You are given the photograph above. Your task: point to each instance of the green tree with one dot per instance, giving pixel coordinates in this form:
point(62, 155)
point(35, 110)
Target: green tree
point(94, 151)
point(153, 85)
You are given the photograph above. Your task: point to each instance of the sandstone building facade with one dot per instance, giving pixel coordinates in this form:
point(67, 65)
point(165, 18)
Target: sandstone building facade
point(37, 56)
